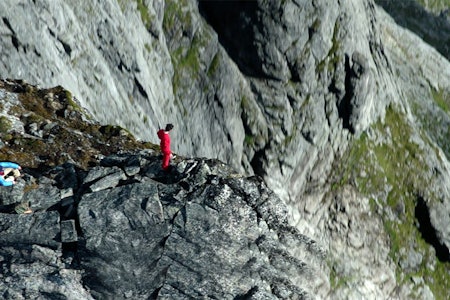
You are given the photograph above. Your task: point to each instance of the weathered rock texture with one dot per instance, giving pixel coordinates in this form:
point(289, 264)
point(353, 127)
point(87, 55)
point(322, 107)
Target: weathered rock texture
point(201, 232)
point(431, 23)
point(343, 113)
point(118, 227)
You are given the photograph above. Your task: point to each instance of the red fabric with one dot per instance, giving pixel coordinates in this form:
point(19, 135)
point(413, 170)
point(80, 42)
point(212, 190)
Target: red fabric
point(166, 161)
point(165, 148)
point(165, 141)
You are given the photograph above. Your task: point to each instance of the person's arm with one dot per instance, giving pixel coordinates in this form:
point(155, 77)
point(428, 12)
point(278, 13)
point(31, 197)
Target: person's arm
point(7, 164)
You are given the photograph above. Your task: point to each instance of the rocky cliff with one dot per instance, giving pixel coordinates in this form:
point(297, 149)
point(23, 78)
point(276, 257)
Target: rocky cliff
point(343, 113)
point(114, 226)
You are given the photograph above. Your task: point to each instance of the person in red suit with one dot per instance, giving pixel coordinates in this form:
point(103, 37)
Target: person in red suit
point(164, 136)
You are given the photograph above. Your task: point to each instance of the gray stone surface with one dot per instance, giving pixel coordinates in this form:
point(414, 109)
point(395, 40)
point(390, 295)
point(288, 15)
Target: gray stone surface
point(68, 231)
point(41, 229)
point(121, 228)
point(281, 89)
point(199, 232)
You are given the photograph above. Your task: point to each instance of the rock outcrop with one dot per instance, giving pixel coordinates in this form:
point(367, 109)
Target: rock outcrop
point(118, 227)
point(200, 232)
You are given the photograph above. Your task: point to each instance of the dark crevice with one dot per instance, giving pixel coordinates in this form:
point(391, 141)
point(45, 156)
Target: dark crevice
point(236, 23)
point(259, 156)
point(170, 177)
point(72, 246)
point(5, 20)
point(51, 33)
point(53, 295)
point(9, 208)
point(344, 106)
point(14, 39)
point(66, 47)
point(217, 100)
point(428, 232)
point(185, 185)
point(257, 162)
point(38, 54)
point(122, 67)
point(248, 295)
point(334, 89)
point(229, 138)
point(140, 88)
point(70, 250)
point(127, 181)
point(15, 42)
point(144, 203)
point(155, 294)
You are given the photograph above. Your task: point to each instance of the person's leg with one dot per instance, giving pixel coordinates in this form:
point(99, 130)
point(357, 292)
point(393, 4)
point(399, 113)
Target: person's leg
point(165, 162)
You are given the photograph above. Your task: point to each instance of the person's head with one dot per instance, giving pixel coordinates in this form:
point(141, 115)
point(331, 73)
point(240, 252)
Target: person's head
point(169, 127)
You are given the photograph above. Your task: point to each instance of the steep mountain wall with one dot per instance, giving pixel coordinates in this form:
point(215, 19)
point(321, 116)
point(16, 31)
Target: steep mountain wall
point(430, 22)
point(342, 112)
point(100, 51)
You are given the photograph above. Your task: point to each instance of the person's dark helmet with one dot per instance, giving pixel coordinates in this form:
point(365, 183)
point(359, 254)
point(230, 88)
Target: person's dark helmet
point(169, 127)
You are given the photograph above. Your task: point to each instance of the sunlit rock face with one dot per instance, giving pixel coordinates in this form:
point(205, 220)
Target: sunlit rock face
point(108, 222)
point(341, 112)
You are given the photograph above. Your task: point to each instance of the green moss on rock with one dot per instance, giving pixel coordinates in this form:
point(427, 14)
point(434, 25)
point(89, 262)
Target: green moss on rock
point(442, 99)
point(81, 141)
point(391, 173)
point(5, 125)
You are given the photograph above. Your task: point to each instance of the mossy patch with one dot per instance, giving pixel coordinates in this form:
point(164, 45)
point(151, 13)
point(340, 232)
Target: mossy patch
point(145, 15)
point(68, 137)
point(5, 125)
point(30, 103)
point(191, 41)
point(214, 66)
point(337, 280)
point(435, 5)
point(176, 12)
point(142, 8)
point(433, 121)
point(72, 103)
point(249, 140)
point(391, 173)
point(333, 57)
point(442, 99)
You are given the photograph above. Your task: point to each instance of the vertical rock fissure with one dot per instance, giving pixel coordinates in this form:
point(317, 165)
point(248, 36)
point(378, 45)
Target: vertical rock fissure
point(428, 232)
point(344, 106)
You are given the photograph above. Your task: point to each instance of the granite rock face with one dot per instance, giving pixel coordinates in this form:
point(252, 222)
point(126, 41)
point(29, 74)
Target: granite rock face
point(342, 113)
point(201, 231)
point(114, 225)
point(106, 60)
point(430, 22)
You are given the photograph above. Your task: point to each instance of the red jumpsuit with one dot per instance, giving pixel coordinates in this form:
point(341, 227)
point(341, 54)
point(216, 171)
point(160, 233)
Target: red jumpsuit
point(165, 148)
